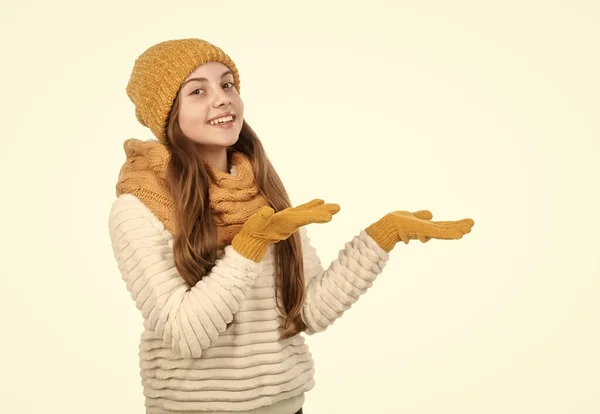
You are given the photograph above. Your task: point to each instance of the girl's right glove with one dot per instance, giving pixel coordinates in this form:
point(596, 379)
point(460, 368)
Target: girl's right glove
point(404, 226)
point(266, 227)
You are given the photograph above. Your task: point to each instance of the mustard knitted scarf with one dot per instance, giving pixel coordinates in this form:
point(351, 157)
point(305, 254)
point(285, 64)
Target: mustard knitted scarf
point(233, 197)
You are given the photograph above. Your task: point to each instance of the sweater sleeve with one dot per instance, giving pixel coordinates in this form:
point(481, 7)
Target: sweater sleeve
point(330, 292)
point(188, 319)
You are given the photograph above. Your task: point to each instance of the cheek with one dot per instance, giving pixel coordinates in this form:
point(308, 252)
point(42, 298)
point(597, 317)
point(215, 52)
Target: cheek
point(239, 105)
point(190, 119)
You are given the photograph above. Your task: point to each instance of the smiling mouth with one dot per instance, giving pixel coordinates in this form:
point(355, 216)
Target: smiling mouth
point(226, 120)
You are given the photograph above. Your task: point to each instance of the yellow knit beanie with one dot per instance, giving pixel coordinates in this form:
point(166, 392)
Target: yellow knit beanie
point(159, 72)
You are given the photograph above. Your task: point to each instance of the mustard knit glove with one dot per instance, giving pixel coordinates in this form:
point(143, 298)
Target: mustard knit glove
point(405, 226)
point(266, 227)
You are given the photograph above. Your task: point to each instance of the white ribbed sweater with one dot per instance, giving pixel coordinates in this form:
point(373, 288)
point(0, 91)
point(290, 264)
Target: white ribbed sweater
point(190, 362)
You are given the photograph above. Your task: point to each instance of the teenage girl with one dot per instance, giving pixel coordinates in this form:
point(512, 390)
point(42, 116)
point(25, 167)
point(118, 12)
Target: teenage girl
point(215, 257)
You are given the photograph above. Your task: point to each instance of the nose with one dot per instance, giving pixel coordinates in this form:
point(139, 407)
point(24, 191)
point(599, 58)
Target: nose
point(222, 99)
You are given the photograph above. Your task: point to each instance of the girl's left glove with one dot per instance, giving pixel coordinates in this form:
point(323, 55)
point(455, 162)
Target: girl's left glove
point(405, 226)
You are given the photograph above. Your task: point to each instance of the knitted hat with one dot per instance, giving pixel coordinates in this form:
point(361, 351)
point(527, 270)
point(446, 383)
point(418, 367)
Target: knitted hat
point(158, 74)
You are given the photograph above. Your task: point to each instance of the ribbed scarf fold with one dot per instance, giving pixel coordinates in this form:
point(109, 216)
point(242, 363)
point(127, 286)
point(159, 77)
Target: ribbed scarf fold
point(233, 197)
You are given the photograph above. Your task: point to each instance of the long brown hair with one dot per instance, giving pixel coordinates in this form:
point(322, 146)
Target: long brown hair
point(195, 243)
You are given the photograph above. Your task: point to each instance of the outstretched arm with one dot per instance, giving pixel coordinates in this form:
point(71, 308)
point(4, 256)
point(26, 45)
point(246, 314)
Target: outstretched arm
point(330, 292)
point(189, 321)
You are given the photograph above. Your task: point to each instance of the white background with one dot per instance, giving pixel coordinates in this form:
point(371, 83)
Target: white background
point(486, 110)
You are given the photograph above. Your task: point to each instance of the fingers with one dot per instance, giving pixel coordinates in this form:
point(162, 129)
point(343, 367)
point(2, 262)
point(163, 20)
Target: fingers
point(446, 233)
point(468, 222)
point(450, 230)
point(423, 214)
point(464, 225)
point(319, 210)
point(445, 230)
point(310, 204)
point(318, 213)
point(324, 213)
point(332, 208)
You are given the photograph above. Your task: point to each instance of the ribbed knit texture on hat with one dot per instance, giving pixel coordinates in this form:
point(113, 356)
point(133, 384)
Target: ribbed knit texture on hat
point(159, 72)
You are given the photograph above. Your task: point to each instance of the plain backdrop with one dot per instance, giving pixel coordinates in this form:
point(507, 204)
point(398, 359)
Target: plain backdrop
point(488, 110)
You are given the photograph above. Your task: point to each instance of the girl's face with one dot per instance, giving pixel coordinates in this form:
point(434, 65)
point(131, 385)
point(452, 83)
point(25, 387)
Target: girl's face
point(206, 95)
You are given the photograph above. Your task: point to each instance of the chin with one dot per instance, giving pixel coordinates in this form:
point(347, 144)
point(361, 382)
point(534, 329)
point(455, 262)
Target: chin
point(225, 142)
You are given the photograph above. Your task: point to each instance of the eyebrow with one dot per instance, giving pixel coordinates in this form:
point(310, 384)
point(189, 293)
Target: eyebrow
point(228, 72)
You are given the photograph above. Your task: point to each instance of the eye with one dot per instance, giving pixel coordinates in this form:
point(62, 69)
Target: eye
point(230, 83)
point(194, 92)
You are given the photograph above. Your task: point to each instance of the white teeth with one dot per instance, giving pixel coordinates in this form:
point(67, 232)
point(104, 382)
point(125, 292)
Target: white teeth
point(221, 120)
